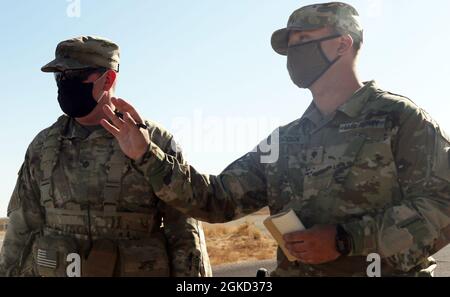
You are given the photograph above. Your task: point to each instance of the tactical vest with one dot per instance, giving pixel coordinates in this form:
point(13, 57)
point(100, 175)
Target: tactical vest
point(102, 230)
point(120, 224)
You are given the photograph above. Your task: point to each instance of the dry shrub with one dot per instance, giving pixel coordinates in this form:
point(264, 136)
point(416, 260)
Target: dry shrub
point(237, 244)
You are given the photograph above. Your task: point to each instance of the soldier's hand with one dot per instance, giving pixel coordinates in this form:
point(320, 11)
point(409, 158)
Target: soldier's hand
point(314, 246)
point(133, 141)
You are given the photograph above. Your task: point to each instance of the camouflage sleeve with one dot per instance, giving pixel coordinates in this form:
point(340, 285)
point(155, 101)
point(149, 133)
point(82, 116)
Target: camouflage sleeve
point(186, 244)
point(185, 239)
point(238, 191)
point(25, 218)
point(416, 227)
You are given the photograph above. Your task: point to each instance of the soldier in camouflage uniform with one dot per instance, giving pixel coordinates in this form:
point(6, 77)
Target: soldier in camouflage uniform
point(366, 171)
point(78, 193)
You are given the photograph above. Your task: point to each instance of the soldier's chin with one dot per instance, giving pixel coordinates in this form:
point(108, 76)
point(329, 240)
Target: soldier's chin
point(93, 116)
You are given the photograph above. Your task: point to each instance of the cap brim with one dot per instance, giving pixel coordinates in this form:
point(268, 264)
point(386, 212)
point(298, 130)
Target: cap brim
point(280, 41)
point(58, 65)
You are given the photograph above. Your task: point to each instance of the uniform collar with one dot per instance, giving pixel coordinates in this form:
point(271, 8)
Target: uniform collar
point(75, 130)
point(356, 103)
point(352, 107)
point(313, 114)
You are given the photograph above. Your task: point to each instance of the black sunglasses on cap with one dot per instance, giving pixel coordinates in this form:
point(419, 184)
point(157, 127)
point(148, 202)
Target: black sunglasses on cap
point(78, 74)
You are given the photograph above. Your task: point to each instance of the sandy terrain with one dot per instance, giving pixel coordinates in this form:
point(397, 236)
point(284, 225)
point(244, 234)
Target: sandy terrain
point(236, 244)
point(243, 240)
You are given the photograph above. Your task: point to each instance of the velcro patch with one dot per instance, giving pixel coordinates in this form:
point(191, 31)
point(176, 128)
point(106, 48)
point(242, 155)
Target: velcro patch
point(47, 259)
point(373, 124)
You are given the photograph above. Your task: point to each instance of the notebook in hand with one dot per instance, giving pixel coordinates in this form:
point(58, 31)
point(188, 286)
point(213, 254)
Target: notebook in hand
point(282, 224)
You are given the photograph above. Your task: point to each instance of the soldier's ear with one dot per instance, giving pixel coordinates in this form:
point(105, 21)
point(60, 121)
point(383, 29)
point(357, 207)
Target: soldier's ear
point(345, 44)
point(111, 77)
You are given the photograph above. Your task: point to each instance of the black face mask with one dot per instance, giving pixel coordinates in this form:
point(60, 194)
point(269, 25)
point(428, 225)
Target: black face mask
point(75, 97)
point(307, 62)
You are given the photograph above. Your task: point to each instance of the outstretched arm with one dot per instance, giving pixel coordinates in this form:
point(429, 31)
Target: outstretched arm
point(239, 190)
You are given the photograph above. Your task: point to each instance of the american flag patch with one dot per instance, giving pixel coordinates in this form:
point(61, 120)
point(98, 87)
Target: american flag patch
point(47, 259)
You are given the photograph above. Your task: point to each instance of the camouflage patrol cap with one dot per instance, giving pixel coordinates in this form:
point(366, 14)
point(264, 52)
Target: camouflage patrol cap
point(85, 52)
point(341, 16)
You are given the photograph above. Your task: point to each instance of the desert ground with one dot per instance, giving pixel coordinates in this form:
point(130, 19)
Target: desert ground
point(240, 241)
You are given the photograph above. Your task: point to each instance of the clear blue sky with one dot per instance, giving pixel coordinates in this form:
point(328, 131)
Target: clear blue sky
point(210, 63)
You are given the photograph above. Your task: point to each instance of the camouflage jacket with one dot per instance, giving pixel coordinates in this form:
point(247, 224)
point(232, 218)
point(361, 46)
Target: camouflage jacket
point(67, 188)
point(379, 166)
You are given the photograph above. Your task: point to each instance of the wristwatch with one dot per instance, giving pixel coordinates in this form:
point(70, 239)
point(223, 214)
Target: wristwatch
point(343, 241)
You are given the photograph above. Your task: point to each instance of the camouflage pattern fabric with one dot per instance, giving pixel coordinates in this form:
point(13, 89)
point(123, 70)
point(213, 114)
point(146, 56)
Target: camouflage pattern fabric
point(340, 16)
point(149, 237)
point(85, 52)
point(379, 166)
